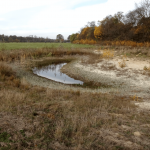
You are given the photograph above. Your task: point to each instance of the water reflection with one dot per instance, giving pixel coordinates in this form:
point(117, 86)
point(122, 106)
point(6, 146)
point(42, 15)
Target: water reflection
point(53, 72)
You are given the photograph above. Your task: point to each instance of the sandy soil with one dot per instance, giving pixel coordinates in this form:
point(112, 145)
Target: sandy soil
point(133, 73)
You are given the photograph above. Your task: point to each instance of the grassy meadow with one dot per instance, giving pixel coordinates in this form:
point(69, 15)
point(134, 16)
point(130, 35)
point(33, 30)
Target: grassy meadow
point(42, 118)
point(12, 46)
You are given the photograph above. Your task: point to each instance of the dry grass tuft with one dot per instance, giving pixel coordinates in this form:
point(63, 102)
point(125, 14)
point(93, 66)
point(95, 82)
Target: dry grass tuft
point(135, 98)
point(146, 68)
point(108, 53)
point(10, 99)
point(5, 70)
point(123, 64)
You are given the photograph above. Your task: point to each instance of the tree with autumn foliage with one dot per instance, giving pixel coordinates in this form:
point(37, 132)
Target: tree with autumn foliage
point(132, 27)
point(84, 33)
point(98, 32)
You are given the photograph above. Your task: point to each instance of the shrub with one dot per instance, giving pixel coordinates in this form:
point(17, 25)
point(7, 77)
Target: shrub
point(84, 41)
point(113, 43)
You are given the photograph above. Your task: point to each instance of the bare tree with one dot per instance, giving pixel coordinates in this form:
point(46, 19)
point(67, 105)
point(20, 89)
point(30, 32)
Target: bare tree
point(131, 18)
point(91, 24)
point(144, 9)
point(119, 17)
point(141, 12)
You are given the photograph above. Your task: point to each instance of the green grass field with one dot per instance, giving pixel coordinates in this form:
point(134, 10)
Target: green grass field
point(11, 46)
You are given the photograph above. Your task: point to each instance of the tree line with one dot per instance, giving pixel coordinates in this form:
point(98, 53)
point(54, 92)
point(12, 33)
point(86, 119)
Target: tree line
point(14, 38)
point(133, 26)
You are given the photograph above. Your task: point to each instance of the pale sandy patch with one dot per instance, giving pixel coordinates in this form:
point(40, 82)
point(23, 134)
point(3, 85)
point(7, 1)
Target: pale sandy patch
point(144, 105)
point(127, 74)
point(132, 63)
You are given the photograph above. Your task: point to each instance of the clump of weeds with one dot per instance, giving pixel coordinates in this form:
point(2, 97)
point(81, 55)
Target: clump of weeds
point(146, 68)
point(123, 64)
point(107, 53)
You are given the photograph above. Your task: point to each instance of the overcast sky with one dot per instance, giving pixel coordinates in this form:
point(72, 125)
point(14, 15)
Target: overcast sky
point(47, 18)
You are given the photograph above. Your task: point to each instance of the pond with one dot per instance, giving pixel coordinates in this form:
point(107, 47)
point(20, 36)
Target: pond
point(53, 72)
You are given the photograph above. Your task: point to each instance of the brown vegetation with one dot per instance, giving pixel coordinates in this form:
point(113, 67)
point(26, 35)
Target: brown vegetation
point(33, 117)
point(57, 119)
point(12, 55)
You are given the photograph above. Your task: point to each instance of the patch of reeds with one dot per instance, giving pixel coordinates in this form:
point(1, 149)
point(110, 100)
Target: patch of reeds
point(8, 75)
point(13, 55)
point(5, 70)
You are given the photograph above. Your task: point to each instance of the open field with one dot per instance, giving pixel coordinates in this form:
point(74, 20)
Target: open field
point(111, 113)
point(11, 46)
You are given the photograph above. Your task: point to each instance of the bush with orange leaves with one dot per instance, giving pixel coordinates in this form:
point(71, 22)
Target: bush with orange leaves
point(147, 44)
point(113, 43)
point(84, 41)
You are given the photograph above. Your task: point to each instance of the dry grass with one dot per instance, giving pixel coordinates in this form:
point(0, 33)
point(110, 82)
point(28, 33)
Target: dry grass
point(92, 59)
point(123, 64)
point(22, 54)
point(108, 53)
point(33, 117)
point(135, 98)
point(10, 99)
point(146, 68)
point(5, 70)
point(54, 119)
point(108, 66)
point(113, 43)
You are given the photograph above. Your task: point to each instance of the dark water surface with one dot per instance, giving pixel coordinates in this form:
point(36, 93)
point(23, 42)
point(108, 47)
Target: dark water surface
point(53, 72)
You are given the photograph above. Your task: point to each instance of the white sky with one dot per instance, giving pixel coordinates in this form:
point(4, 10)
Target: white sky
point(47, 18)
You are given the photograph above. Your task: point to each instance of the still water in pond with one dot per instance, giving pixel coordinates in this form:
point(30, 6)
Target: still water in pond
point(53, 72)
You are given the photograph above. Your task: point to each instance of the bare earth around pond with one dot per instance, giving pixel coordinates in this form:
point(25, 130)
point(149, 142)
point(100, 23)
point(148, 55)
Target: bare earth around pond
point(37, 113)
point(133, 79)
